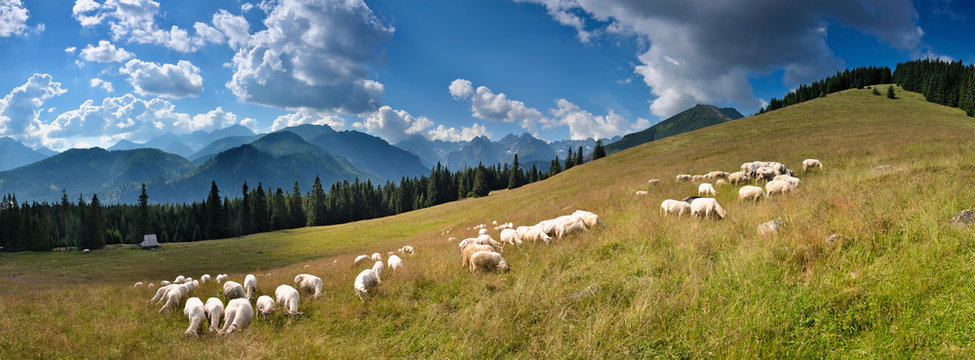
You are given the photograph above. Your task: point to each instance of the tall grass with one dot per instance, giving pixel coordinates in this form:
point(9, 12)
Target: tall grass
point(897, 285)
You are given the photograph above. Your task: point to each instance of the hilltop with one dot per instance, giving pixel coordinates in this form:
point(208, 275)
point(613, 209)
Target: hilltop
point(897, 285)
point(697, 117)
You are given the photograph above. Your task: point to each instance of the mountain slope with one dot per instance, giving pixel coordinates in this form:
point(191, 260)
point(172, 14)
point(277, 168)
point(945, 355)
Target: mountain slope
point(13, 154)
point(694, 118)
point(219, 145)
point(528, 148)
point(430, 152)
point(479, 150)
point(371, 154)
point(170, 143)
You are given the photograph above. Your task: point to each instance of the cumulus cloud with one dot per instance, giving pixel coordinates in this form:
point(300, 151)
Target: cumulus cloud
point(393, 125)
point(13, 18)
point(699, 51)
point(126, 116)
point(70, 50)
point(487, 105)
point(234, 27)
point(135, 21)
point(209, 121)
point(640, 124)
point(452, 134)
point(208, 33)
point(312, 54)
point(20, 108)
point(584, 125)
point(175, 81)
point(99, 83)
point(306, 116)
point(105, 52)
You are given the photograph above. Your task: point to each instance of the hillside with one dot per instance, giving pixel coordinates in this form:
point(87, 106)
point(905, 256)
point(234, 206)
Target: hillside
point(371, 154)
point(697, 117)
point(13, 154)
point(647, 286)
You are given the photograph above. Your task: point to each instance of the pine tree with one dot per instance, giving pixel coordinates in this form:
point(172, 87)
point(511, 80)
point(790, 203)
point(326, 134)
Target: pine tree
point(579, 156)
point(598, 152)
point(481, 187)
point(215, 219)
point(95, 229)
point(890, 92)
point(516, 177)
point(569, 160)
point(144, 226)
point(246, 216)
point(297, 209)
point(259, 206)
point(555, 167)
point(316, 204)
point(279, 211)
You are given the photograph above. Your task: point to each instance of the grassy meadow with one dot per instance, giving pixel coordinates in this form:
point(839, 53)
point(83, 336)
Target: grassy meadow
point(899, 283)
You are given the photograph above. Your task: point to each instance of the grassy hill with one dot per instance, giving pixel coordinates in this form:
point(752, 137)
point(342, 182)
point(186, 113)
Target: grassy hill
point(899, 285)
point(697, 117)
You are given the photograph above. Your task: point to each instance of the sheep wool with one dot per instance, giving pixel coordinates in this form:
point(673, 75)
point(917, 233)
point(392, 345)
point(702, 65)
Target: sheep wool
point(237, 316)
point(288, 298)
point(195, 313)
point(233, 290)
point(488, 261)
point(214, 311)
point(360, 259)
point(312, 284)
point(250, 286)
point(394, 263)
point(265, 306)
point(364, 282)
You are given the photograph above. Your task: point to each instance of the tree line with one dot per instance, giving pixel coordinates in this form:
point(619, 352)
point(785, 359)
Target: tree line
point(88, 224)
point(941, 82)
point(843, 80)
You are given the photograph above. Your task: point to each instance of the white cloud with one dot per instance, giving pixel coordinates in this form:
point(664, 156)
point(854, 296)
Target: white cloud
point(208, 33)
point(104, 52)
point(13, 18)
point(640, 124)
point(176, 81)
point(452, 134)
point(209, 121)
point(700, 52)
point(584, 125)
point(487, 105)
point(306, 116)
point(126, 116)
point(70, 50)
point(249, 122)
point(20, 108)
point(312, 54)
point(135, 21)
point(245, 7)
point(234, 27)
point(99, 83)
point(393, 125)
point(461, 89)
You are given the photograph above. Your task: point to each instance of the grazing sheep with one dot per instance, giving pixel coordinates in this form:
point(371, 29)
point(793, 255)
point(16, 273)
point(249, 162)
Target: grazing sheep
point(174, 296)
point(470, 250)
point(311, 283)
point(137, 284)
point(721, 182)
point(366, 280)
point(770, 227)
point(160, 293)
point(792, 180)
point(509, 236)
point(482, 231)
point(394, 263)
point(810, 164)
point(85, 251)
point(265, 306)
point(179, 279)
point(535, 233)
point(237, 316)
point(376, 257)
point(451, 239)
point(671, 206)
point(195, 313)
point(778, 187)
point(738, 177)
point(466, 242)
point(707, 208)
point(151, 285)
point(683, 178)
point(488, 240)
point(288, 297)
point(641, 193)
point(165, 283)
point(233, 290)
point(488, 261)
point(214, 311)
point(590, 219)
point(749, 192)
point(409, 249)
point(653, 182)
point(571, 226)
point(697, 178)
point(706, 189)
point(714, 175)
point(360, 259)
point(250, 286)
point(221, 278)
point(205, 278)
point(378, 267)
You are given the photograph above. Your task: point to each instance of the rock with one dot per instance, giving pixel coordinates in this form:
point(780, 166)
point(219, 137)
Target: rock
point(771, 227)
point(964, 218)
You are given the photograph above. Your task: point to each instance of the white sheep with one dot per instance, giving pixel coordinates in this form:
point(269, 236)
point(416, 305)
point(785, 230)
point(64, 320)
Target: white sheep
point(714, 175)
point(179, 279)
point(470, 250)
point(792, 180)
point(410, 250)
point(451, 239)
point(214, 311)
point(488, 261)
point(721, 182)
point(151, 285)
point(463, 243)
point(137, 284)
point(671, 206)
point(233, 290)
point(482, 231)
point(738, 177)
point(589, 218)
point(195, 313)
point(535, 233)
point(698, 178)
point(707, 208)
point(810, 164)
point(250, 286)
point(310, 283)
point(360, 259)
point(165, 283)
point(221, 278)
point(775, 187)
point(377, 257)
point(749, 192)
point(174, 296)
point(641, 193)
point(653, 182)
point(265, 306)
point(288, 297)
point(706, 189)
point(572, 225)
point(394, 263)
point(237, 316)
point(205, 278)
point(366, 281)
point(509, 236)
point(160, 293)
point(378, 267)
point(684, 178)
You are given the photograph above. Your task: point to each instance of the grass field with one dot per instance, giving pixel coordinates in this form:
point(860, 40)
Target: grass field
point(898, 285)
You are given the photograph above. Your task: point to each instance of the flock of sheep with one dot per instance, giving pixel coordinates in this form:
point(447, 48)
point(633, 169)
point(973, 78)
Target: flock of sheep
point(239, 312)
point(777, 177)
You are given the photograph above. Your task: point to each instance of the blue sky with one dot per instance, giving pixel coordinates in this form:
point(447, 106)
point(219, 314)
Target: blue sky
point(92, 72)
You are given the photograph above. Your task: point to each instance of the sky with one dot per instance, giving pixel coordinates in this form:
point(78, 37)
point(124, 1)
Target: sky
point(93, 72)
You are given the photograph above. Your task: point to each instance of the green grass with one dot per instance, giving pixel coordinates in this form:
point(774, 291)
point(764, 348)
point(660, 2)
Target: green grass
point(647, 286)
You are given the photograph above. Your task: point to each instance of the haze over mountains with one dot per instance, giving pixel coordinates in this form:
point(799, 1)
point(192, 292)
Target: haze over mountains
point(179, 168)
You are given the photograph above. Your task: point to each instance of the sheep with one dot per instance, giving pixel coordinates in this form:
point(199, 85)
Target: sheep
point(265, 306)
point(85, 251)
point(590, 219)
point(470, 250)
point(707, 208)
point(509, 236)
point(706, 189)
point(310, 283)
point(810, 164)
point(378, 267)
point(187, 280)
point(410, 250)
point(653, 182)
point(160, 293)
point(205, 278)
point(671, 206)
point(233, 290)
point(482, 231)
point(151, 285)
point(488, 240)
point(697, 178)
point(237, 316)
point(721, 182)
point(714, 175)
point(641, 193)
point(376, 257)
point(214, 311)
point(451, 239)
point(792, 180)
point(778, 187)
point(174, 296)
point(165, 283)
point(137, 284)
point(394, 263)
point(738, 177)
point(195, 313)
point(360, 259)
point(465, 242)
point(250, 286)
point(288, 297)
point(571, 226)
point(488, 261)
point(364, 282)
point(683, 178)
point(535, 233)
point(221, 278)
point(179, 279)
point(749, 192)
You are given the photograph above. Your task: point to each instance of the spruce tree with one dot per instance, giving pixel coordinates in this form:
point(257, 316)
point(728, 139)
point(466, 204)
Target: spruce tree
point(259, 206)
point(316, 206)
point(246, 216)
point(279, 211)
point(569, 160)
point(598, 152)
point(143, 226)
point(215, 219)
point(297, 209)
point(95, 229)
point(481, 187)
point(579, 156)
point(890, 92)
point(516, 177)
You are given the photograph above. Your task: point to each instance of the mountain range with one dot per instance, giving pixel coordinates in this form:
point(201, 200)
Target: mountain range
point(179, 168)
